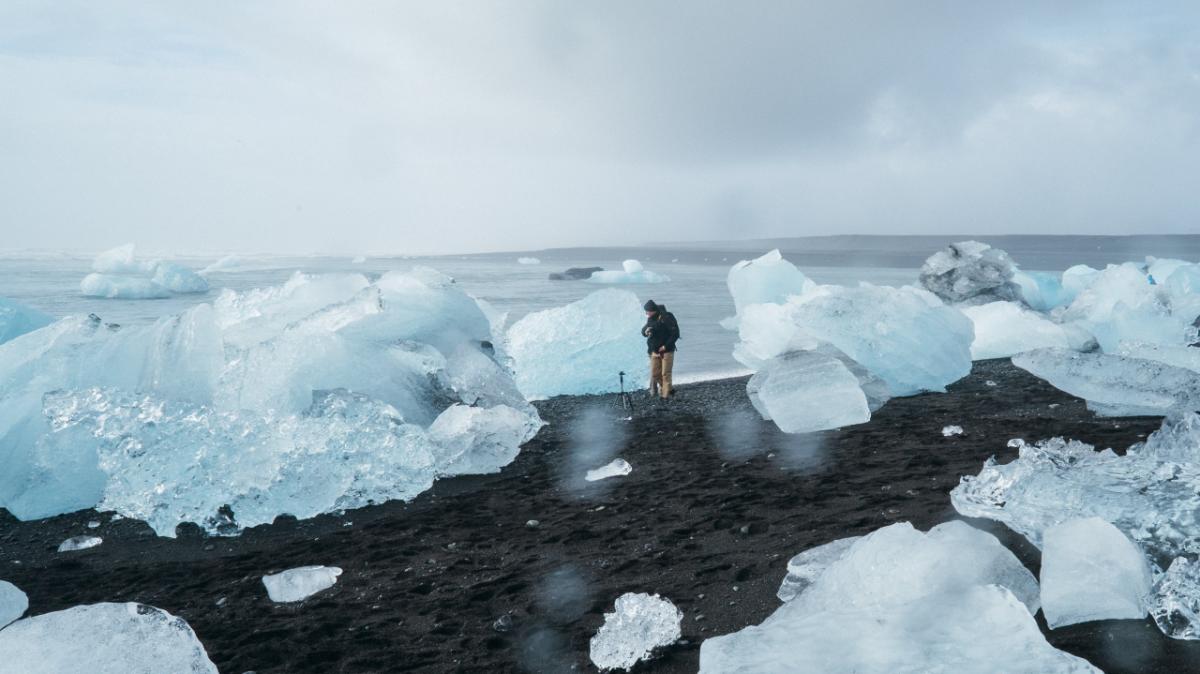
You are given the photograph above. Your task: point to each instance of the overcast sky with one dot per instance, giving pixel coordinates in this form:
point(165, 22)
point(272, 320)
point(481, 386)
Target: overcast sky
point(443, 126)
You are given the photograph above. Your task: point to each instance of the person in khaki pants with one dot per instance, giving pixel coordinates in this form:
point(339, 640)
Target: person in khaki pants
point(661, 332)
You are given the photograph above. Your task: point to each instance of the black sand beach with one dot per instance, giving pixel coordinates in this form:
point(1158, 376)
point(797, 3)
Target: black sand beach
point(458, 580)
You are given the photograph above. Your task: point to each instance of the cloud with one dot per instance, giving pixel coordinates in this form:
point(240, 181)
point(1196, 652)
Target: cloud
point(420, 127)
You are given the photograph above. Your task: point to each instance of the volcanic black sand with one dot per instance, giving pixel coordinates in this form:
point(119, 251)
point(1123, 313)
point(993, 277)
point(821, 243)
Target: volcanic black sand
point(460, 580)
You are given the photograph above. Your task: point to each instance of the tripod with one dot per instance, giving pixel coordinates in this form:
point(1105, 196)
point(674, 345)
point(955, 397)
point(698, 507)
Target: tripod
point(625, 400)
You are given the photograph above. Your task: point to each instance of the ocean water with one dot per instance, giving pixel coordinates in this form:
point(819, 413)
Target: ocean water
point(696, 293)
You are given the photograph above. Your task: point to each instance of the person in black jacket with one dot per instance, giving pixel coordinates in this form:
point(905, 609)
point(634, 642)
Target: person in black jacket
point(661, 332)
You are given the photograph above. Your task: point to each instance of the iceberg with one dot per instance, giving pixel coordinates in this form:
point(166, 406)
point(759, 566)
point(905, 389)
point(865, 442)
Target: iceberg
point(638, 624)
point(805, 568)
point(118, 274)
point(528, 260)
point(1121, 303)
point(104, 639)
point(1174, 602)
point(1003, 329)
point(631, 272)
point(1116, 385)
point(300, 583)
point(17, 319)
point(615, 468)
point(970, 271)
point(574, 273)
point(13, 603)
point(179, 279)
point(228, 263)
point(806, 391)
point(899, 600)
point(326, 393)
point(768, 279)
point(119, 260)
point(1149, 493)
point(112, 287)
point(1091, 571)
point(579, 348)
point(79, 543)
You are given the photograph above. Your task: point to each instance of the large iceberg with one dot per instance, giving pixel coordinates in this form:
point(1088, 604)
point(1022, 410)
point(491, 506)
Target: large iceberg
point(104, 639)
point(1116, 385)
point(898, 600)
point(1091, 571)
point(13, 603)
point(120, 275)
point(326, 393)
point(632, 271)
point(1006, 328)
point(805, 391)
point(579, 348)
point(638, 625)
point(113, 287)
point(17, 319)
point(970, 271)
point(766, 279)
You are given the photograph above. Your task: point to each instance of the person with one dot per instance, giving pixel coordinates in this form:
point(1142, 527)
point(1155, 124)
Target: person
point(661, 332)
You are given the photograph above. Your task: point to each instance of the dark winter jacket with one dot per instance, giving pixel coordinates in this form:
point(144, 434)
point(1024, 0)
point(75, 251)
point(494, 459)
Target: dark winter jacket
point(661, 330)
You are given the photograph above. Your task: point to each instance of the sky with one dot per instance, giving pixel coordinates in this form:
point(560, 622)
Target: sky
point(437, 127)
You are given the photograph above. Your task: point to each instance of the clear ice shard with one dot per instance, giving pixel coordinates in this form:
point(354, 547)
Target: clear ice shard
point(1151, 494)
point(300, 583)
point(970, 272)
point(325, 393)
point(579, 348)
point(1091, 571)
point(1115, 385)
point(806, 391)
point(804, 569)
point(639, 624)
point(1175, 600)
point(899, 600)
point(767, 279)
point(1003, 329)
point(615, 468)
point(13, 603)
point(104, 639)
point(17, 319)
point(631, 271)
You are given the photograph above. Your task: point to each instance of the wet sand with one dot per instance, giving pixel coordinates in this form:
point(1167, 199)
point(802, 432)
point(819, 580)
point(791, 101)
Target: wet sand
point(460, 580)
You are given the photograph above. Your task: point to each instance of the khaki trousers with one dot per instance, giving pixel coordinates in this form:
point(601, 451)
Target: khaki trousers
point(660, 373)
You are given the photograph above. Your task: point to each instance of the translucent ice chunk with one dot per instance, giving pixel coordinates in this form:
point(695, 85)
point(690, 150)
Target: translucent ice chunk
point(1122, 304)
point(1175, 600)
point(1077, 279)
point(104, 639)
point(1091, 571)
point(579, 348)
point(1116, 385)
point(638, 624)
point(804, 569)
point(1006, 328)
point(970, 271)
point(805, 391)
point(16, 320)
point(179, 279)
point(1187, 357)
point(767, 279)
point(615, 468)
point(300, 583)
point(950, 431)
point(13, 603)
point(79, 543)
point(1042, 291)
point(631, 272)
point(111, 286)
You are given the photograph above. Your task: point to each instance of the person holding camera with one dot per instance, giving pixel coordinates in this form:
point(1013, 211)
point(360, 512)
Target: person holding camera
point(661, 332)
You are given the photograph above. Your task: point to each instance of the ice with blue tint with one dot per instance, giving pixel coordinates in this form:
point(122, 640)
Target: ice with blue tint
point(806, 391)
point(179, 279)
point(114, 287)
point(1042, 291)
point(766, 279)
point(1122, 304)
point(13, 603)
point(17, 319)
point(1006, 328)
point(104, 639)
point(899, 600)
point(1151, 493)
point(1077, 279)
point(119, 274)
point(1187, 357)
point(1092, 571)
point(120, 260)
point(579, 348)
point(970, 272)
point(326, 393)
point(1115, 385)
point(805, 568)
point(300, 583)
point(631, 271)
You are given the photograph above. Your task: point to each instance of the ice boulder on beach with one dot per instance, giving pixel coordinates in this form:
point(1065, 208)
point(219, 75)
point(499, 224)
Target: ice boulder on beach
point(17, 319)
point(1115, 385)
point(13, 603)
point(804, 568)
point(1091, 571)
point(104, 639)
point(639, 624)
point(300, 583)
point(898, 600)
point(766, 279)
point(632, 271)
point(579, 348)
point(806, 391)
point(615, 468)
point(1122, 304)
point(79, 543)
point(113, 287)
point(1174, 602)
point(970, 271)
point(1003, 329)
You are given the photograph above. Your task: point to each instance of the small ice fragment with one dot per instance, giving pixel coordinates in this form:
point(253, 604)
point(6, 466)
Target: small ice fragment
point(80, 543)
point(949, 431)
point(533, 524)
point(1175, 602)
point(638, 624)
point(13, 603)
point(1091, 571)
point(806, 567)
point(104, 639)
point(93, 524)
point(990, 383)
point(528, 260)
point(300, 583)
point(616, 468)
